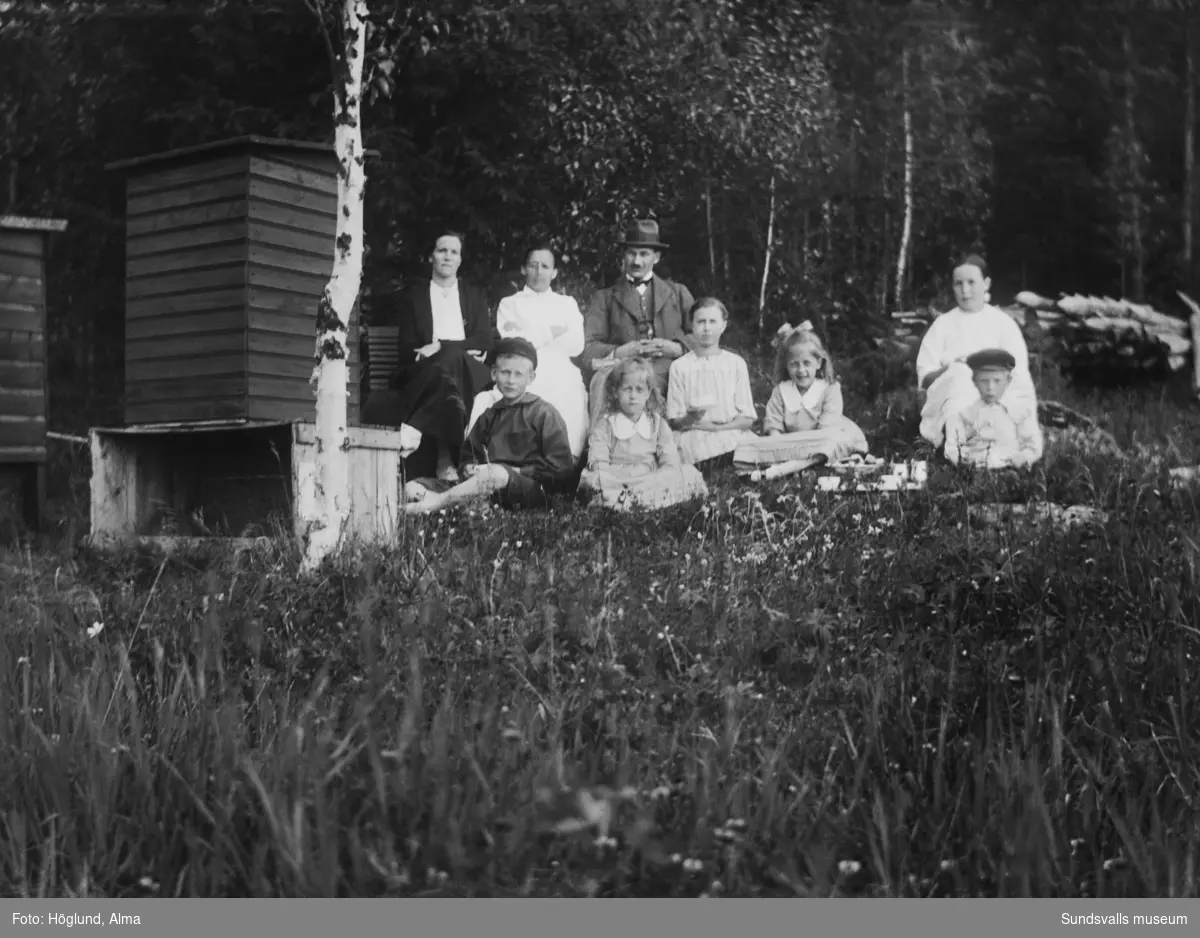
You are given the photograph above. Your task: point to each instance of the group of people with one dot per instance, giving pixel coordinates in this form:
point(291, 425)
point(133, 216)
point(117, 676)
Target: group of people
point(629, 402)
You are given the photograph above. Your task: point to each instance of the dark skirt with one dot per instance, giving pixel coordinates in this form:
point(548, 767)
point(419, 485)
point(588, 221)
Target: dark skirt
point(434, 396)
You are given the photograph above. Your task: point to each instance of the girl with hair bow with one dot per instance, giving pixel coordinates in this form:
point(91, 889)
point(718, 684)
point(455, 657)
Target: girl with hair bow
point(804, 424)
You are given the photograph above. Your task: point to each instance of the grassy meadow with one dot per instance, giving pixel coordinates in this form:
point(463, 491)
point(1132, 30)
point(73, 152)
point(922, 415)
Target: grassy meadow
point(775, 692)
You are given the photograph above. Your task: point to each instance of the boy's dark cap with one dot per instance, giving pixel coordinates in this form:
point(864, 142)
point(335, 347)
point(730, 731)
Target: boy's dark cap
point(514, 345)
point(992, 358)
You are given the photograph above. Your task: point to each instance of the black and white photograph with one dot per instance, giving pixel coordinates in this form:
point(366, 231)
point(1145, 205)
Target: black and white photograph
point(491, 449)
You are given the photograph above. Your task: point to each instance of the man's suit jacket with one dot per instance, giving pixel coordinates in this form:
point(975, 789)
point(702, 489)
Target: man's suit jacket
point(412, 313)
point(613, 315)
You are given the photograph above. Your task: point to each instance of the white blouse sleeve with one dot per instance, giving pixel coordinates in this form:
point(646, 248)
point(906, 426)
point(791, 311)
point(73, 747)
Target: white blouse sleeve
point(1014, 342)
point(744, 394)
point(929, 357)
point(508, 318)
point(676, 390)
point(570, 343)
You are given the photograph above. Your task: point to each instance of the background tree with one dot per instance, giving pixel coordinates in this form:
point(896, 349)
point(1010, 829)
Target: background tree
point(518, 119)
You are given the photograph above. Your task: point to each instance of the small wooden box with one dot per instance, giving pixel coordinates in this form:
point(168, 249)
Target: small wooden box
point(23, 358)
point(235, 480)
point(229, 247)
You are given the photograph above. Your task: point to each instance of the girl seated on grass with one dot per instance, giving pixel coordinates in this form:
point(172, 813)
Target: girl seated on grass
point(632, 457)
point(804, 421)
point(709, 402)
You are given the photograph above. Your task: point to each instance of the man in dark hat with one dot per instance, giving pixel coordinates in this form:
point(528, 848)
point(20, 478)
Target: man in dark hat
point(991, 433)
point(640, 315)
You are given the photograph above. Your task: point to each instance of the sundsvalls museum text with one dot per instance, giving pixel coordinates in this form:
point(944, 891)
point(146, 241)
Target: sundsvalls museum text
point(1121, 918)
point(71, 919)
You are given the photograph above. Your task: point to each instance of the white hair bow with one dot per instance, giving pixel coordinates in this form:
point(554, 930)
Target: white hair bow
point(786, 331)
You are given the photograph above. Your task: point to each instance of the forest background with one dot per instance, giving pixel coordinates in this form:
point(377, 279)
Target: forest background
point(874, 141)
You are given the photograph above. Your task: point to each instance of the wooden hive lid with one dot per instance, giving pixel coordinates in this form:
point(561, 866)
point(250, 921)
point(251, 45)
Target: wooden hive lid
point(155, 161)
point(22, 223)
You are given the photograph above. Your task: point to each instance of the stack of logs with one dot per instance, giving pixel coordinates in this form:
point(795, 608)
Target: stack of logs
point(1094, 334)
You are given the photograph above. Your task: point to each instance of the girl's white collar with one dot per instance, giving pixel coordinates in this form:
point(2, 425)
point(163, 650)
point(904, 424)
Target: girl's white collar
point(810, 400)
point(624, 428)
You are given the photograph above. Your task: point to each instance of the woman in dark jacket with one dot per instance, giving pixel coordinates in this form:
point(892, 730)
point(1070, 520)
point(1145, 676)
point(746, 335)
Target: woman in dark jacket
point(444, 334)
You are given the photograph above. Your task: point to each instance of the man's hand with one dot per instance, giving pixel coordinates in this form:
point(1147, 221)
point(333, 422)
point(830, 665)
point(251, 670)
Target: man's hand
point(428, 351)
point(468, 470)
point(629, 350)
point(477, 354)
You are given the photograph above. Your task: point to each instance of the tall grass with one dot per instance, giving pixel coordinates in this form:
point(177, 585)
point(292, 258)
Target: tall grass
point(775, 692)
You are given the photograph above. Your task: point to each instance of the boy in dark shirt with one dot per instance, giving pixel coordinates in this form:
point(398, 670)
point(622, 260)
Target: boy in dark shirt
point(518, 448)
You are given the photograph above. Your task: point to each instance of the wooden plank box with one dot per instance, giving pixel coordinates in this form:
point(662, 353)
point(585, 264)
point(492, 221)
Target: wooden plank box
point(23, 362)
point(235, 480)
point(228, 249)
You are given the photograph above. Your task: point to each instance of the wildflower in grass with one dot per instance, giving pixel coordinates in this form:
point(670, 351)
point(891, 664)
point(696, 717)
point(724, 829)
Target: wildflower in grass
point(95, 629)
point(692, 865)
point(848, 867)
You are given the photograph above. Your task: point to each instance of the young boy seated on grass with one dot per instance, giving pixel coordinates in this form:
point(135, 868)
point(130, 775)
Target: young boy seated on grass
point(517, 448)
point(989, 433)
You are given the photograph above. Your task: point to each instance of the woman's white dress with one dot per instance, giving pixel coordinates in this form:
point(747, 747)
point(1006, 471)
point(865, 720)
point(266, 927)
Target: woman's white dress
point(952, 337)
point(553, 324)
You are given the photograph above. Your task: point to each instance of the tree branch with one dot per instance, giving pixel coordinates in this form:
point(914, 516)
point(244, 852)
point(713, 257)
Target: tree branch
point(318, 10)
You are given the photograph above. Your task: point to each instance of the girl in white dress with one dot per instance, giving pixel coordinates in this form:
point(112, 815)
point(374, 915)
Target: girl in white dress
point(632, 457)
point(709, 401)
point(553, 324)
point(974, 325)
point(804, 418)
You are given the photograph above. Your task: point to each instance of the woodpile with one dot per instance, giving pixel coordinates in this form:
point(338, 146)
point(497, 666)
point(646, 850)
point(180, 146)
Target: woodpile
point(1097, 337)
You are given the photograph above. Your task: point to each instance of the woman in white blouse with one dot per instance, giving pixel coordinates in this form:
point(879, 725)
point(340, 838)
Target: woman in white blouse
point(553, 324)
point(974, 325)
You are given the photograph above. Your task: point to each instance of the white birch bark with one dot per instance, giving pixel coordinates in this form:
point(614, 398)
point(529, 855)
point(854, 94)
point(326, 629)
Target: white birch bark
point(762, 292)
point(906, 230)
point(331, 506)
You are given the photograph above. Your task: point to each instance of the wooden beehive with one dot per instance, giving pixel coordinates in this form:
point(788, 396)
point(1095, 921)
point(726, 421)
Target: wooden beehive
point(229, 247)
point(236, 480)
point(23, 359)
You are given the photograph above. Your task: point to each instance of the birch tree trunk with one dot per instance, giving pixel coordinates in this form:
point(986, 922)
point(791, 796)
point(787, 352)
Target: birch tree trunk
point(906, 230)
point(762, 292)
point(332, 462)
point(1135, 168)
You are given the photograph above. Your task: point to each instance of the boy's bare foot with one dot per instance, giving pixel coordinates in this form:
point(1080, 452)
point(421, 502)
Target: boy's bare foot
point(415, 492)
point(430, 502)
